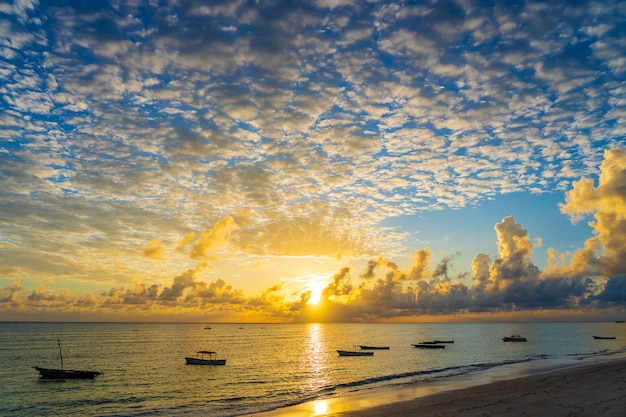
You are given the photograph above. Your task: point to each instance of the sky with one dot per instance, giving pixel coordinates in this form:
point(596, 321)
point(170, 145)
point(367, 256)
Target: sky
point(330, 160)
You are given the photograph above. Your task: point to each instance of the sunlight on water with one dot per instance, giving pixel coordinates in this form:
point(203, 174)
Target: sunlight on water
point(313, 358)
point(320, 408)
point(268, 365)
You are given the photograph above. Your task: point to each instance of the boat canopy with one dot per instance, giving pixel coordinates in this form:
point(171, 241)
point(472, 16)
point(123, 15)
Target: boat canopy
point(206, 352)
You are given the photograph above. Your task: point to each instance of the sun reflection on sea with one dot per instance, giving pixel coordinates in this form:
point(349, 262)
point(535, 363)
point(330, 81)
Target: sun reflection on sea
point(314, 358)
point(320, 408)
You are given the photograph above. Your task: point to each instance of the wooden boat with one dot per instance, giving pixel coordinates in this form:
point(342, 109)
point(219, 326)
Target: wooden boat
point(514, 338)
point(353, 353)
point(605, 337)
point(429, 345)
point(49, 373)
point(363, 347)
point(211, 360)
point(65, 373)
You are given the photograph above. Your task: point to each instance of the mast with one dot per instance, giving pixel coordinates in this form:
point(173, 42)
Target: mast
point(60, 353)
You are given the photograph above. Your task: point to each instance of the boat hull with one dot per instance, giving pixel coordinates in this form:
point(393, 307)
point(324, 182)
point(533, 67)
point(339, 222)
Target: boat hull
point(48, 373)
point(354, 353)
point(429, 346)
point(605, 337)
point(196, 361)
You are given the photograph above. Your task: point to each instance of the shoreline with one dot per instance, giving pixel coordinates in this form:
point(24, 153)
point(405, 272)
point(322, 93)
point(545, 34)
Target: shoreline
point(591, 387)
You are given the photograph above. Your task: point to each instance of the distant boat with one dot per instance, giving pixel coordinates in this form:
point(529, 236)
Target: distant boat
point(619, 321)
point(605, 337)
point(207, 328)
point(211, 360)
point(354, 353)
point(514, 338)
point(49, 373)
point(429, 345)
point(65, 373)
point(363, 347)
point(444, 341)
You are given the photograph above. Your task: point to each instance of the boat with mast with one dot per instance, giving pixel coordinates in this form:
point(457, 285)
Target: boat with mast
point(50, 373)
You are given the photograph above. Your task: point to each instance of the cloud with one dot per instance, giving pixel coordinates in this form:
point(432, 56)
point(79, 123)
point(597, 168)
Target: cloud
point(515, 256)
point(319, 121)
point(509, 282)
point(614, 292)
point(213, 238)
point(12, 299)
point(604, 252)
point(154, 249)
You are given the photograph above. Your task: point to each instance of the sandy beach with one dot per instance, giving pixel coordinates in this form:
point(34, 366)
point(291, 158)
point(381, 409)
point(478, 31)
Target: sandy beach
point(587, 390)
point(595, 390)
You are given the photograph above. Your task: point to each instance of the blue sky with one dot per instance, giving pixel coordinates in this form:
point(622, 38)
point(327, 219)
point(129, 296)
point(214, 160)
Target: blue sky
point(194, 160)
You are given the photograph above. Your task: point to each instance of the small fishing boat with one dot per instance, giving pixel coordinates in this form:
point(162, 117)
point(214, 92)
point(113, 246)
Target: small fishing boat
point(211, 360)
point(605, 337)
point(514, 338)
point(444, 341)
point(50, 373)
point(353, 353)
point(429, 345)
point(364, 347)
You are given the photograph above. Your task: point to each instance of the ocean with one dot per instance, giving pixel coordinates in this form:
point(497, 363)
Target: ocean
point(269, 366)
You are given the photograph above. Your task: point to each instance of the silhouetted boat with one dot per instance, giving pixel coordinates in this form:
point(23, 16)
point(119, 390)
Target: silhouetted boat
point(363, 347)
point(429, 345)
point(514, 338)
point(444, 341)
point(65, 373)
point(605, 337)
point(353, 353)
point(212, 359)
point(50, 373)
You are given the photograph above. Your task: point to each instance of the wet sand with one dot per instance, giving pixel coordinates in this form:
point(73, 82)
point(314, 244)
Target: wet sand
point(595, 390)
point(580, 390)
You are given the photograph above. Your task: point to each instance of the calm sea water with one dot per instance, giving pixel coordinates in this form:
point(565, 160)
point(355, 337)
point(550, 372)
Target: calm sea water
point(268, 365)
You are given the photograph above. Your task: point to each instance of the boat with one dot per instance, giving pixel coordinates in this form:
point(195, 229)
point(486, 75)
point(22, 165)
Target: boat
point(363, 347)
point(514, 338)
point(605, 337)
point(211, 360)
point(353, 353)
point(444, 341)
point(50, 373)
point(429, 345)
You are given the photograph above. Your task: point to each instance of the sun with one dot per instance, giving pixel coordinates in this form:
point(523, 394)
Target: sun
point(316, 288)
